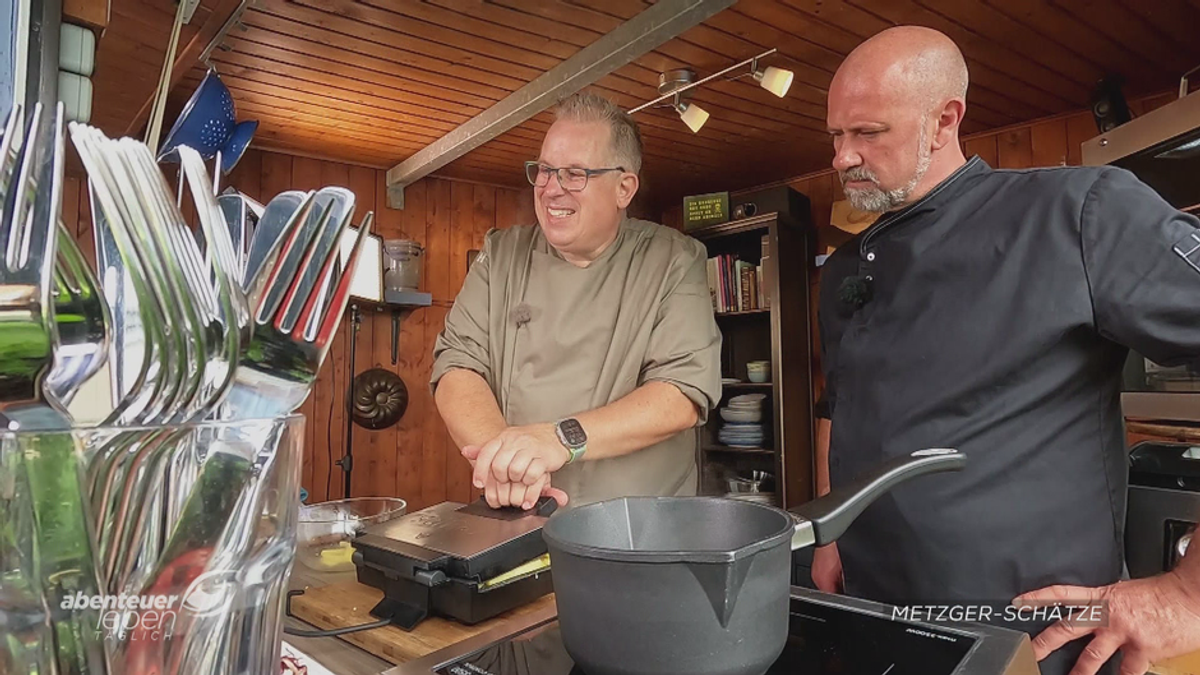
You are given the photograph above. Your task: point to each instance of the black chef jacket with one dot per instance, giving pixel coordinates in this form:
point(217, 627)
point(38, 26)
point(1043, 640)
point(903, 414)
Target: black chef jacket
point(994, 316)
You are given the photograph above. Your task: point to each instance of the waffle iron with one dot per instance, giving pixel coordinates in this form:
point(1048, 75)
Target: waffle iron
point(468, 563)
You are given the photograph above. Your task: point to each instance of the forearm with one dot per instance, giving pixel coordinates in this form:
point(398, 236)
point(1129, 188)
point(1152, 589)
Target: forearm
point(468, 407)
point(822, 456)
point(648, 415)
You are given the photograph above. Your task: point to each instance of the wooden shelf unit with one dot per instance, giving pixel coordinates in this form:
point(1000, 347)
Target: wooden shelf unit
point(781, 334)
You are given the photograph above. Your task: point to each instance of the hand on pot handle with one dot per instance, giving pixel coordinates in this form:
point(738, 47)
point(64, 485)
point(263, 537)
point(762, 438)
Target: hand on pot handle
point(827, 569)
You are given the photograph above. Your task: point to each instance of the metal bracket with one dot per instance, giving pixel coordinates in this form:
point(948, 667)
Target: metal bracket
point(398, 317)
point(1183, 82)
point(233, 20)
point(189, 9)
point(395, 196)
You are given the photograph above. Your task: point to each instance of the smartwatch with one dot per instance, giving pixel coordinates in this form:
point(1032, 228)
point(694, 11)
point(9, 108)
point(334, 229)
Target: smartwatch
point(573, 438)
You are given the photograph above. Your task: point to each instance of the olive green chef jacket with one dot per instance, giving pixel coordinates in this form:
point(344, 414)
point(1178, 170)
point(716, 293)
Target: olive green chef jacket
point(554, 340)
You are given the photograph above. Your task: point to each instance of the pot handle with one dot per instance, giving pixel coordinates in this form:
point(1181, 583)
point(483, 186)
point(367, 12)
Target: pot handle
point(821, 521)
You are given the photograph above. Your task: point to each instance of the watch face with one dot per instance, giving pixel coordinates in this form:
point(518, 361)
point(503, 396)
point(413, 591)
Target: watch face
point(573, 432)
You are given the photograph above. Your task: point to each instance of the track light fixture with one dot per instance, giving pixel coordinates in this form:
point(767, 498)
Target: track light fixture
point(672, 85)
point(692, 115)
point(775, 80)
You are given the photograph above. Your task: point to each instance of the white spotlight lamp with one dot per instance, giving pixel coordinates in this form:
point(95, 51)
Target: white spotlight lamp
point(692, 115)
point(775, 80)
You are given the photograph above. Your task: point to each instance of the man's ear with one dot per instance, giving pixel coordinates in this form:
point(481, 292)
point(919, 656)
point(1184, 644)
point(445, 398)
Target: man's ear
point(626, 189)
point(948, 121)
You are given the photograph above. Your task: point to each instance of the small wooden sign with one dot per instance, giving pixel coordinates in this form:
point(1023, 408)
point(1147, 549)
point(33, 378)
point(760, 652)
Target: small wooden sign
point(709, 209)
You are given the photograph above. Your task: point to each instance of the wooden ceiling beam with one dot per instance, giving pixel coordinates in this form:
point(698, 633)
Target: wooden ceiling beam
point(646, 31)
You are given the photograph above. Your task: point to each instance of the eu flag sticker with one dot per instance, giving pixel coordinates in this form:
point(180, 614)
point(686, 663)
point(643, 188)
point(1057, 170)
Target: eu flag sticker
point(1188, 248)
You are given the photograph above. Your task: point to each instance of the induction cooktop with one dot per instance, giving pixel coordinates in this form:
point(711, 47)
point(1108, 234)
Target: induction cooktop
point(828, 635)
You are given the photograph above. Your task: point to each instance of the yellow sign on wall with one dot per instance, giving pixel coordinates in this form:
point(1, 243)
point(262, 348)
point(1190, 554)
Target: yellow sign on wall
point(709, 209)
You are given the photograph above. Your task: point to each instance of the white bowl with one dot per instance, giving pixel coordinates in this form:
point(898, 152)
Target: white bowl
point(741, 415)
point(747, 399)
point(326, 531)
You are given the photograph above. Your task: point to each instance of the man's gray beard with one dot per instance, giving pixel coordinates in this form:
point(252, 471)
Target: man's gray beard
point(875, 200)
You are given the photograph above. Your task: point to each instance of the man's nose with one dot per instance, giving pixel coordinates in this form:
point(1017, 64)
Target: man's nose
point(845, 157)
point(553, 187)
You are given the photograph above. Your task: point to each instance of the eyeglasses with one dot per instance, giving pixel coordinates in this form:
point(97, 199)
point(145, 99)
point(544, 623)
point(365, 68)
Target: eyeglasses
point(571, 179)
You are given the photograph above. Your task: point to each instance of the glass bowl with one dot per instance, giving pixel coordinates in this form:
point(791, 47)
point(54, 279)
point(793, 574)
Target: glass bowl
point(326, 530)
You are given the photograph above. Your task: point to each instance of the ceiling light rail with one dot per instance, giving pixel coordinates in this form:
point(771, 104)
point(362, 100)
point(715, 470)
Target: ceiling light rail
point(775, 80)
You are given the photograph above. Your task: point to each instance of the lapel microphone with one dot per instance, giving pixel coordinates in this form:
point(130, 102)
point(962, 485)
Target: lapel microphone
point(521, 314)
point(854, 292)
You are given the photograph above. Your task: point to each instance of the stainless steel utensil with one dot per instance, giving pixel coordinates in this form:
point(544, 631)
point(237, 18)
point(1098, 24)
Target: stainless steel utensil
point(10, 149)
point(280, 216)
point(282, 360)
point(145, 329)
point(27, 254)
point(235, 331)
point(140, 528)
point(58, 549)
point(82, 319)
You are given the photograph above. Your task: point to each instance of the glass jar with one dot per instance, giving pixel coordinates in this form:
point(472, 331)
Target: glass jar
point(402, 264)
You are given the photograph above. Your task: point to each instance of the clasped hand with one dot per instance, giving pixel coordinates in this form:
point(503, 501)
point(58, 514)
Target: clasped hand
point(514, 468)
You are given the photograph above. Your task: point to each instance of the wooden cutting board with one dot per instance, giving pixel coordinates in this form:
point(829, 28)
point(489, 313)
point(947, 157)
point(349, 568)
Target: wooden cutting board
point(349, 603)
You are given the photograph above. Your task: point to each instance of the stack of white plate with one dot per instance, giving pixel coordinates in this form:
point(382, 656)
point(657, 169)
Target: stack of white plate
point(743, 421)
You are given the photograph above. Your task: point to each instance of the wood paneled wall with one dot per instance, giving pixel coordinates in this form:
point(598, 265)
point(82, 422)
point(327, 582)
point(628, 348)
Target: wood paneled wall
point(415, 459)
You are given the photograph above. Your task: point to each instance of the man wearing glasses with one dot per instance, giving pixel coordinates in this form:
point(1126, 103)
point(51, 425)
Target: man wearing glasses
point(584, 347)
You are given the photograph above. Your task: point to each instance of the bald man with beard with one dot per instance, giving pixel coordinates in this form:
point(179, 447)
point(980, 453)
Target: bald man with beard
point(992, 311)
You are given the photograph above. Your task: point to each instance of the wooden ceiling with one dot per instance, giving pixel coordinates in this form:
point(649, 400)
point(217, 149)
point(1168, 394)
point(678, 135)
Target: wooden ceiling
point(373, 81)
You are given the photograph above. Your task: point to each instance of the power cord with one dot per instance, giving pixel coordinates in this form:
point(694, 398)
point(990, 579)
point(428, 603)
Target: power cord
point(329, 445)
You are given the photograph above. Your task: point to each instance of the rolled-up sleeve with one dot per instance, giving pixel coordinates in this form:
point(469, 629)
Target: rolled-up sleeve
point(685, 343)
point(463, 342)
point(1142, 260)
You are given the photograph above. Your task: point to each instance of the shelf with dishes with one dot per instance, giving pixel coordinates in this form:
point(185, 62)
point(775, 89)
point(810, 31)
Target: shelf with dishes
point(762, 309)
point(739, 445)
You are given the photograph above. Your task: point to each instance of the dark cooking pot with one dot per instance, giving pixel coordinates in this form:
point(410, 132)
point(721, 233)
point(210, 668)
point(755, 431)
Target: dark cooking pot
point(695, 585)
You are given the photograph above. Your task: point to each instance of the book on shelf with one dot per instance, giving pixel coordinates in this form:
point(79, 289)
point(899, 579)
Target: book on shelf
point(736, 285)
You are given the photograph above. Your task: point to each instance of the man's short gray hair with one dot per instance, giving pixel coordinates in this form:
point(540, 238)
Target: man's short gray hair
point(626, 138)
